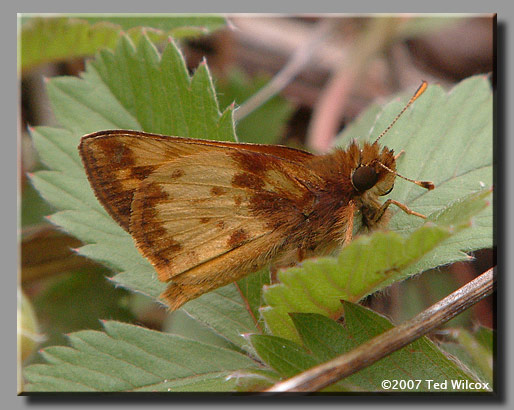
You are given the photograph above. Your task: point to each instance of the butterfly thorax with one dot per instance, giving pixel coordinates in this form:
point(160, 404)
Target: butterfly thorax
point(354, 178)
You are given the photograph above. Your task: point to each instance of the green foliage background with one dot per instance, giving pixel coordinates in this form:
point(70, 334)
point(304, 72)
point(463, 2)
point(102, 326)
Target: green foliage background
point(447, 138)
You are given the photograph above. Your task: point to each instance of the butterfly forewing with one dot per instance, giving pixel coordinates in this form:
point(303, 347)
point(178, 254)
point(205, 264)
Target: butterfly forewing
point(182, 221)
point(202, 212)
point(117, 161)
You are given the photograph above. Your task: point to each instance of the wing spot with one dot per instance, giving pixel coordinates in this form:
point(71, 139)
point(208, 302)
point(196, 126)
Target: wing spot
point(237, 238)
point(216, 191)
point(247, 180)
point(177, 173)
point(153, 195)
point(153, 234)
point(116, 153)
point(168, 247)
point(193, 256)
point(141, 172)
point(251, 161)
point(196, 201)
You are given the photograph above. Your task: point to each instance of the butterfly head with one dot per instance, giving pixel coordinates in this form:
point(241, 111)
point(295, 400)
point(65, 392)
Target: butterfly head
point(376, 171)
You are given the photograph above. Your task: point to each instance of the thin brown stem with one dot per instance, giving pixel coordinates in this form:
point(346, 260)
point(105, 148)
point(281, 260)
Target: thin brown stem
point(388, 342)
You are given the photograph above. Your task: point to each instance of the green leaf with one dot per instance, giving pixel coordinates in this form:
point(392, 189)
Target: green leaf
point(284, 356)
point(225, 311)
point(50, 39)
point(77, 301)
point(323, 337)
point(255, 381)
point(447, 138)
point(366, 265)
point(170, 23)
point(56, 38)
point(130, 358)
point(475, 350)
point(159, 92)
point(28, 329)
point(485, 337)
point(33, 208)
point(137, 88)
point(180, 323)
point(63, 191)
point(251, 289)
point(134, 88)
point(267, 123)
point(57, 149)
point(326, 339)
point(129, 89)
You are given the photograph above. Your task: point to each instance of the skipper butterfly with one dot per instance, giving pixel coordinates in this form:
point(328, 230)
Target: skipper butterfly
point(206, 213)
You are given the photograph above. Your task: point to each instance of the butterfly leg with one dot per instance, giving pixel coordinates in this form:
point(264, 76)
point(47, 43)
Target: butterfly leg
point(291, 258)
point(349, 227)
point(301, 254)
point(403, 207)
point(273, 270)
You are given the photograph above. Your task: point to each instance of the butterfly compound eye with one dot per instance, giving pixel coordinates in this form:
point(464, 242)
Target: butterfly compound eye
point(364, 178)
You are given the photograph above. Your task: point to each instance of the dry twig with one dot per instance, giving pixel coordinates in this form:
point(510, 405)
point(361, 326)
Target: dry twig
point(388, 342)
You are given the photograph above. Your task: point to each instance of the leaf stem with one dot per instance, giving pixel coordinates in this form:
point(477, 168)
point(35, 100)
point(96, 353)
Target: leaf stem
point(388, 342)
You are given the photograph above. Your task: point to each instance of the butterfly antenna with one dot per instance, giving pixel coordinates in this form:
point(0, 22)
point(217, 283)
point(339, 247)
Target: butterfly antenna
point(424, 184)
point(419, 91)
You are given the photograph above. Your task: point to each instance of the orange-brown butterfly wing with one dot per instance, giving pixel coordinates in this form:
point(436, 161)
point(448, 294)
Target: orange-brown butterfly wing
point(204, 213)
point(117, 161)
